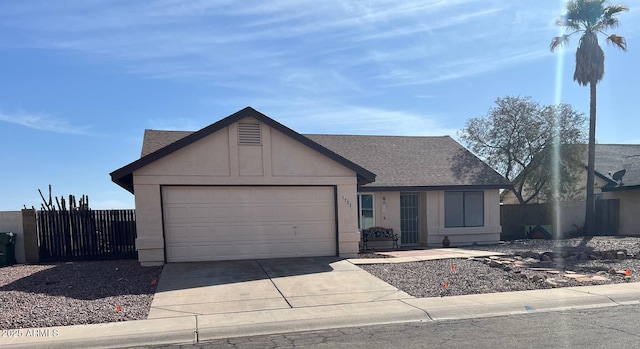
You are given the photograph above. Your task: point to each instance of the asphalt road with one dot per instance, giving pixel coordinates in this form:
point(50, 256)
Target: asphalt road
point(609, 327)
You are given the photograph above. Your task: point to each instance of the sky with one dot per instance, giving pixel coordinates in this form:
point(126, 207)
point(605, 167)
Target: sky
point(80, 81)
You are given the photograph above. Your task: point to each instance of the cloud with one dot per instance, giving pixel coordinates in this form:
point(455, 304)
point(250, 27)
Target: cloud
point(43, 122)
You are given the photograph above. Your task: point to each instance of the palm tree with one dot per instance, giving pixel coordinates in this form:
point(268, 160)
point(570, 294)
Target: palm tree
point(589, 18)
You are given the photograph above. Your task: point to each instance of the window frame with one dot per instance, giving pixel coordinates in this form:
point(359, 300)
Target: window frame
point(464, 209)
point(373, 210)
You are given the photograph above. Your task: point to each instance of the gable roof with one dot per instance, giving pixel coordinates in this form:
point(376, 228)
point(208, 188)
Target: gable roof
point(611, 158)
point(411, 163)
point(161, 143)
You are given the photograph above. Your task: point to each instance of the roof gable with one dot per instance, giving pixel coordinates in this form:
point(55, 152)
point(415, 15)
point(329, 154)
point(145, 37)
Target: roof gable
point(158, 144)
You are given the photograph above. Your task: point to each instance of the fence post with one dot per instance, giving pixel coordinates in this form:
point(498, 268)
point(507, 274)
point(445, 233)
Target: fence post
point(30, 233)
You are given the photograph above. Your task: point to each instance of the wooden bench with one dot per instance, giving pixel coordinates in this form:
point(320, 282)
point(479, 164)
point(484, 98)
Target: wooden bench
point(378, 233)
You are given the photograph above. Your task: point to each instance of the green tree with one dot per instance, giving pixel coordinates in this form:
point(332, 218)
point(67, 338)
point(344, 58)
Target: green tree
point(588, 18)
point(516, 138)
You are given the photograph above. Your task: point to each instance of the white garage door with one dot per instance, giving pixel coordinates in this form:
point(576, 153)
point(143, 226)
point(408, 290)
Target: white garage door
point(221, 223)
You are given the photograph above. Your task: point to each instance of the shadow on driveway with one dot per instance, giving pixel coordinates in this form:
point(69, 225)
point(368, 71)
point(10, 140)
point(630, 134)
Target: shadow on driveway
point(179, 276)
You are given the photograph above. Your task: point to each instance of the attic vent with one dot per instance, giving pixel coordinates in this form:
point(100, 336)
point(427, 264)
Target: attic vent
point(249, 133)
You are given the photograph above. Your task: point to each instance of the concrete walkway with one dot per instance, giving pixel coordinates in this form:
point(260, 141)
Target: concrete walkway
point(278, 296)
point(418, 255)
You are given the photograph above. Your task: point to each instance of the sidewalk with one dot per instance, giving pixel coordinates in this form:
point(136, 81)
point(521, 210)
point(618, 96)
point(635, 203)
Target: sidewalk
point(197, 328)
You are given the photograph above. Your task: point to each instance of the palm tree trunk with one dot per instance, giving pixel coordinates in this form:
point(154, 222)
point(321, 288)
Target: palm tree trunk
point(589, 221)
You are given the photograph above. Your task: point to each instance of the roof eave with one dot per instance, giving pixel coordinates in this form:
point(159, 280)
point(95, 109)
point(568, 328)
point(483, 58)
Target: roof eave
point(435, 187)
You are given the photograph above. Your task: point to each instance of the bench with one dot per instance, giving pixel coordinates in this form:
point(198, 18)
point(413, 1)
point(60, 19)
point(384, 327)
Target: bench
point(378, 233)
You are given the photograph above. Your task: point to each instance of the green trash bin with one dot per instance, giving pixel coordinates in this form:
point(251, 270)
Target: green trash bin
point(7, 249)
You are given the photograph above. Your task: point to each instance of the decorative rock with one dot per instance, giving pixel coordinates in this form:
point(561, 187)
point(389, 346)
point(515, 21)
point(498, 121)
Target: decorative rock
point(612, 271)
point(539, 277)
point(621, 255)
point(495, 264)
point(546, 258)
point(575, 276)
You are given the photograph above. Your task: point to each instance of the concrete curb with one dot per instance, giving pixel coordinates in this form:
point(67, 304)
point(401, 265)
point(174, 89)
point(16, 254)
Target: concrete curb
point(193, 329)
point(109, 335)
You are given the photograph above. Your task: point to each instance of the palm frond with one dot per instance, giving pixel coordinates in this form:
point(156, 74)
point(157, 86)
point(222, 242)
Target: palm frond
point(558, 41)
point(619, 41)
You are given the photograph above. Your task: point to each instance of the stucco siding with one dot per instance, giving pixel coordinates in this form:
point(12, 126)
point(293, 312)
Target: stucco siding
point(218, 160)
point(629, 208)
point(432, 228)
point(489, 233)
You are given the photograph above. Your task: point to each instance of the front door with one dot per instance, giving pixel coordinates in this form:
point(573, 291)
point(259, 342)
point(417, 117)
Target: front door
point(409, 223)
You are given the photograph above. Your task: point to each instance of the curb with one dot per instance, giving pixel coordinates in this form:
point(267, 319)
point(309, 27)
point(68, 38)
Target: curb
point(199, 328)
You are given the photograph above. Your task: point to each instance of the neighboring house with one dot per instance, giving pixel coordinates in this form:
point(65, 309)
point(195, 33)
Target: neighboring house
point(627, 190)
point(249, 187)
point(609, 158)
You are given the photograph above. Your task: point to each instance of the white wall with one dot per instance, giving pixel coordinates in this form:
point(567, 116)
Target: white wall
point(11, 221)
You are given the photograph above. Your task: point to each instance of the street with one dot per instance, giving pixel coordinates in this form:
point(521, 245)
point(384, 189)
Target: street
point(608, 327)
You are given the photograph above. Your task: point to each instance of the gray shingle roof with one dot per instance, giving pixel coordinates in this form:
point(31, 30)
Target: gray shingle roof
point(397, 161)
point(615, 157)
point(156, 139)
point(400, 161)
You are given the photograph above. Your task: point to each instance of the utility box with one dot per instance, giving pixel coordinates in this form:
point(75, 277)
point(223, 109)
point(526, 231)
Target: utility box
point(7, 249)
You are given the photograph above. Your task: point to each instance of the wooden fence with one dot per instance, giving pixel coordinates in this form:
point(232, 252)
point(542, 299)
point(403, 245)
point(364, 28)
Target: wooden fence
point(514, 218)
point(86, 235)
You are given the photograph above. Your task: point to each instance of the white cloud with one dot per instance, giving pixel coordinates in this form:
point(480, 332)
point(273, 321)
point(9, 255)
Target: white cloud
point(43, 122)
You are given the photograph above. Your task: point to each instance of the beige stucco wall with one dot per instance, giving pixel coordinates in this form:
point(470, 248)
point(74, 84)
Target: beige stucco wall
point(432, 227)
point(218, 160)
point(487, 234)
point(629, 208)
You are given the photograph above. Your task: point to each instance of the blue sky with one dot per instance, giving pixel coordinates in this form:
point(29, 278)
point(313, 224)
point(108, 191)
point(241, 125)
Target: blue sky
point(81, 80)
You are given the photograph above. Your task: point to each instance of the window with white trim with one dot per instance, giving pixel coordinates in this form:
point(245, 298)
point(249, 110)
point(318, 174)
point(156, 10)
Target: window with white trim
point(366, 218)
point(463, 209)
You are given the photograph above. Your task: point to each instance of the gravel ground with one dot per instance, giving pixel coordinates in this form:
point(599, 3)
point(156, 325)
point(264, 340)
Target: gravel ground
point(438, 278)
point(75, 293)
point(90, 292)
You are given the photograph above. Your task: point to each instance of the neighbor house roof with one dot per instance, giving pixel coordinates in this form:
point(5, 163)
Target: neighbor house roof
point(611, 158)
point(158, 144)
point(409, 163)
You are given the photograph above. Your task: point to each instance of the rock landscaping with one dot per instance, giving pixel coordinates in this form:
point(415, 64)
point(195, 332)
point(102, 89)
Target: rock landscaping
point(62, 294)
point(526, 265)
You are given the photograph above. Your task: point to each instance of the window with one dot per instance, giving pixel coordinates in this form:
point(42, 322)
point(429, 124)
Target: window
point(463, 209)
point(365, 211)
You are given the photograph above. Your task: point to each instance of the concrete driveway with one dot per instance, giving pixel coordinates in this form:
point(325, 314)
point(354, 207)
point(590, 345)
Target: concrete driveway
point(204, 288)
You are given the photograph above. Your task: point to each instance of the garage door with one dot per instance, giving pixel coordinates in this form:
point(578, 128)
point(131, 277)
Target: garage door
point(208, 223)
